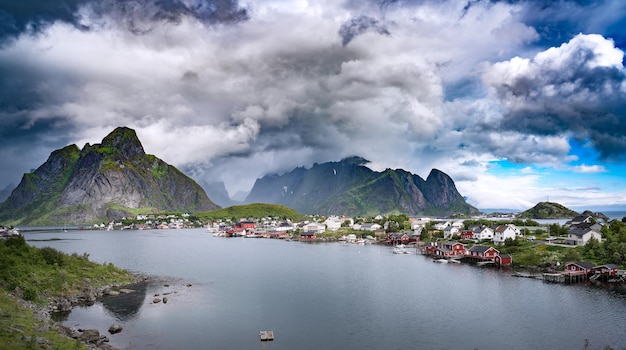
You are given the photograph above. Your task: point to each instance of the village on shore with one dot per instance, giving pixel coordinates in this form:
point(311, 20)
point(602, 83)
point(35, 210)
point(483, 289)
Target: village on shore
point(445, 240)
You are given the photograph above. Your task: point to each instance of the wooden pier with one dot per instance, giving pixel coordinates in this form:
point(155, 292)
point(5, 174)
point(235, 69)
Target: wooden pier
point(554, 277)
point(266, 335)
point(566, 277)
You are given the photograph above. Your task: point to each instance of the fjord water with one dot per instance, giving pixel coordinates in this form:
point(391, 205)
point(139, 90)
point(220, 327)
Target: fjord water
point(328, 296)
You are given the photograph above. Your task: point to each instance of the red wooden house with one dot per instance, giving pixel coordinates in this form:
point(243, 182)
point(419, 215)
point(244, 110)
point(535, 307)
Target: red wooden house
point(467, 234)
point(398, 238)
point(308, 235)
point(458, 249)
point(430, 248)
point(503, 260)
point(245, 225)
point(606, 270)
point(582, 267)
point(483, 252)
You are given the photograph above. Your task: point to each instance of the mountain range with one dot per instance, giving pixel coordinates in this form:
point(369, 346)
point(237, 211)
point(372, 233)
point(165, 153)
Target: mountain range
point(116, 179)
point(102, 182)
point(348, 187)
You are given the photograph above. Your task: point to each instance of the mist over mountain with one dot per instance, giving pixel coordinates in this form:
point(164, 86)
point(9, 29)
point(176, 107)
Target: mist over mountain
point(348, 187)
point(102, 182)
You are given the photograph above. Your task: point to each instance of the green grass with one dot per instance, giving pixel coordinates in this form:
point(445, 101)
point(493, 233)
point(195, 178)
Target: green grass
point(42, 274)
point(20, 329)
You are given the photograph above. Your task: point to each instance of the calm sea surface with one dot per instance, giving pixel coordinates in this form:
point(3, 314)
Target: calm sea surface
point(328, 296)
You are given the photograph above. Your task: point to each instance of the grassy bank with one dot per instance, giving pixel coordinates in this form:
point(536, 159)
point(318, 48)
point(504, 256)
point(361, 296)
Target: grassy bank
point(21, 328)
point(38, 276)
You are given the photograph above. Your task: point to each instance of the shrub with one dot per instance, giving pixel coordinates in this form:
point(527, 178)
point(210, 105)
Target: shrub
point(52, 256)
point(15, 241)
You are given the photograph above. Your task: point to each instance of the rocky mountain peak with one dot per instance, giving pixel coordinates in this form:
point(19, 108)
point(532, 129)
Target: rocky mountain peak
point(102, 182)
point(349, 188)
point(123, 140)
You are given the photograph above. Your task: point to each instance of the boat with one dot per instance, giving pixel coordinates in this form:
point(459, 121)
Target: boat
point(254, 235)
point(443, 261)
point(398, 250)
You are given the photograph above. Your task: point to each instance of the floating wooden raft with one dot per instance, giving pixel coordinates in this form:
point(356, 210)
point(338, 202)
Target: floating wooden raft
point(266, 335)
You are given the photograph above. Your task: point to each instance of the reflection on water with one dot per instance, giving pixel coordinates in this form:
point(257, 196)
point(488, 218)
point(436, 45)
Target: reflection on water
point(125, 306)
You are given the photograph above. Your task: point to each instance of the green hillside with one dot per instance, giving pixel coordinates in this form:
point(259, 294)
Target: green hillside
point(548, 210)
point(256, 210)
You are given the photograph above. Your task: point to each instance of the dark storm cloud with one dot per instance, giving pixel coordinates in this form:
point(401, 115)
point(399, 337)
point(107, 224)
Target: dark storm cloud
point(359, 25)
point(20, 16)
point(578, 88)
point(33, 16)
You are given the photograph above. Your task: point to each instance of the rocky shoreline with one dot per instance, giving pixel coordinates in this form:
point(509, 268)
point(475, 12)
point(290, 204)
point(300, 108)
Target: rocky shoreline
point(94, 339)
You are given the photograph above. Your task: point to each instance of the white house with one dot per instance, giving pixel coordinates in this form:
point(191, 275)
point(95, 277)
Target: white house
point(314, 227)
point(458, 224)
point(370, 227)
point(580, 236)
point(283, 227)
point(450, 231)
point(502, 232)
point(333, 223)
point(482, 232)
point(441, 225)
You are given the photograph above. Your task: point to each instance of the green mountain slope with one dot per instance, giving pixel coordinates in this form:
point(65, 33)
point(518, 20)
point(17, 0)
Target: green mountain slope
point(101, 182)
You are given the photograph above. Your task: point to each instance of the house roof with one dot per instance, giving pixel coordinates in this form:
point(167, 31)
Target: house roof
point(588, 225)
point(578, 219)
point(608, 266)
point(480, 249)
point(579, 231)
point(584, 264)
point(479, 229)
point(398, 234)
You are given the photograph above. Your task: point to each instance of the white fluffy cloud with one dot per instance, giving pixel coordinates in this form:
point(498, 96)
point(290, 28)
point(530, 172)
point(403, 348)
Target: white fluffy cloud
point(289, 83)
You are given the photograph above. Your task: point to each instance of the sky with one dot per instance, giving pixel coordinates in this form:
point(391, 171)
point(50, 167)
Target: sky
point(518, 101)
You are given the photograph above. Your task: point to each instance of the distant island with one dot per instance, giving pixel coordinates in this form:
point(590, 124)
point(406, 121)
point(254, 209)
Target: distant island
point(547, 210)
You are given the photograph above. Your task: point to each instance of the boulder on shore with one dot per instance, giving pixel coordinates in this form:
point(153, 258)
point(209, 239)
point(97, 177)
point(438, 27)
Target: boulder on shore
point(90, 335)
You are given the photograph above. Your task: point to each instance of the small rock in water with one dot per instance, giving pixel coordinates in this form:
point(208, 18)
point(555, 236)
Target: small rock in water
point(188, 284)
point(165, 300)
point(156, 300)
point(115, 328)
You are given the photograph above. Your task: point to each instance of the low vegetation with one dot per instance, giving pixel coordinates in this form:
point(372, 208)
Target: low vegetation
point(256, 210)
point(38, 275)
point(21, 329)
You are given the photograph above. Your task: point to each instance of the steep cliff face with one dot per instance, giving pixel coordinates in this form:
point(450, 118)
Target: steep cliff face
point(102, 182)
point(44, 183)
point(347, 187)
